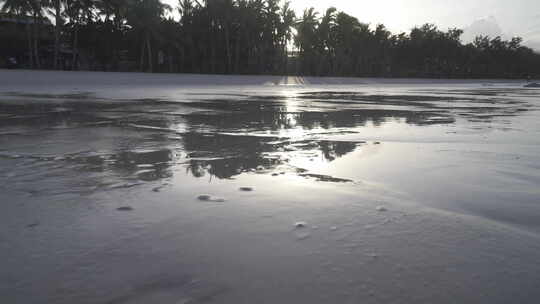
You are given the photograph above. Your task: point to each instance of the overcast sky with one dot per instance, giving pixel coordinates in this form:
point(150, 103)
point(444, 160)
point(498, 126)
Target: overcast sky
point(506, 17)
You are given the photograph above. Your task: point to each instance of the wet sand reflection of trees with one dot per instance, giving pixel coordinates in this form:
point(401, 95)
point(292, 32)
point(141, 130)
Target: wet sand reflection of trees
point(226, 137)
point(225, 156)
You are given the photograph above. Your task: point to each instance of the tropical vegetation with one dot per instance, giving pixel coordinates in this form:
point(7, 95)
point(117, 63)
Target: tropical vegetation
point(243, 37)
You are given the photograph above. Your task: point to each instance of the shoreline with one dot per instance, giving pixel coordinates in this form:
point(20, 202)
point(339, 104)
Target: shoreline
point(225, 79)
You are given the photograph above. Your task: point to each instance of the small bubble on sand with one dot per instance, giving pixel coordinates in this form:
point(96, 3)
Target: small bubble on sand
point(381, 209)
point(145, 166)
point(125, 208)
point(300, 224)
point(33, 225)
point(209, 198)
point(157, 189)
point(185, 301)
point(246, 189)
point(302, 236)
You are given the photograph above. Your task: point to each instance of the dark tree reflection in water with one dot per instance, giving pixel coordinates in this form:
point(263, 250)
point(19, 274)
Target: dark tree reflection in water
point(224, 137)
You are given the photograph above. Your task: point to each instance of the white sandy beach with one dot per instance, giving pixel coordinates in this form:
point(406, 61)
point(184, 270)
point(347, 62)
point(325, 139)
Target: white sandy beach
point(364, 190)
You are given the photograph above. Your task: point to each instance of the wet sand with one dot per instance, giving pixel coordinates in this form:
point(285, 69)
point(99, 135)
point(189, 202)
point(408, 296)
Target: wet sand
point(139, 188)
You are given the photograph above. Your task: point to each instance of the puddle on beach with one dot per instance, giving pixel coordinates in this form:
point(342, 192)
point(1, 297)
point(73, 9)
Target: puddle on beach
point(352, 190)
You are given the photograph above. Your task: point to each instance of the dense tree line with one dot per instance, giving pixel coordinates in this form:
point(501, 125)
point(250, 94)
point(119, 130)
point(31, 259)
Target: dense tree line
point(338, 44)
point(249, 36)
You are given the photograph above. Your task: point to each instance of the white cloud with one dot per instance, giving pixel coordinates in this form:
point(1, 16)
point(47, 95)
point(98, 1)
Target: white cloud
point(486, 27)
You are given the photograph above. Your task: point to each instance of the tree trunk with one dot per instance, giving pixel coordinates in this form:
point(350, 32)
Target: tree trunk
point(212, 52)
point(30, 46)
point(182, 60)
point(228, 48)
point(286, 62)
point(150, 65)
point(143, 48)
point(36, 40)
point(75, 47)
point(57, 31)
point(237, 56)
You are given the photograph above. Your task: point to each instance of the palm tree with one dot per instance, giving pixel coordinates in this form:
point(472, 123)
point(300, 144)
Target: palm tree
point(54, 7)
point(57, 6)
point(350, 35)
point(169, 42)
point(306, 38)
point(224, 20)
point(273, 23)
point(288, 19)
point(21, 9)
point(186, 10)
point(57, 30)
point(146, 15)
point(78, 12)
point(326, 40)
point(37, 8)
point(382, 46)
point(115, 16)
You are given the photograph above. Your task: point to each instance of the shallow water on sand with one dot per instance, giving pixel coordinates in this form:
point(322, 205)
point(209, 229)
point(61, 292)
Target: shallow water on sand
point(188, 189)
